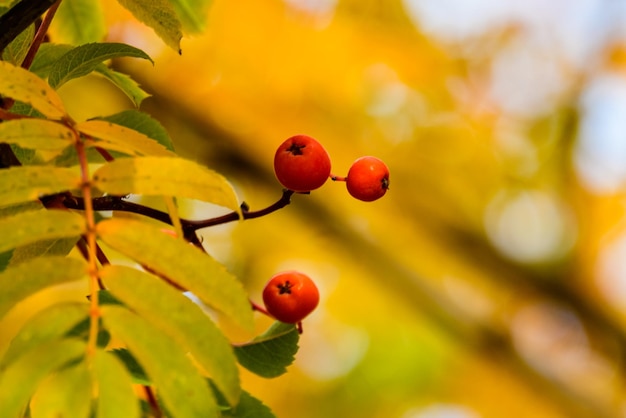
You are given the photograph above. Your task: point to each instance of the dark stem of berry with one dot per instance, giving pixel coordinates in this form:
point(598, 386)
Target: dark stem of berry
point(285, 288)
point(296, 149)
point(338, 178)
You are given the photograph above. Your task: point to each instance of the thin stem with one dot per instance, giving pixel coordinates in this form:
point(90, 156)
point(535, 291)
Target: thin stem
point(92, 257)
point(40, 35)
point(152, 401)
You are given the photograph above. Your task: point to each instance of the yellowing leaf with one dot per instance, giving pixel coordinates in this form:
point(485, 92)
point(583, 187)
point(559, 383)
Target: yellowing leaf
point(16, 283)
point(180, 262)
point(66, 393)
point(115, 393)
point(28, 183)
point(32, 226)
point(47, 325)
point(20, 84)
point(36, 134)
point(165, 176)
point(183, 320)
point(115, 137)
point(20, 379)
point(182, 389)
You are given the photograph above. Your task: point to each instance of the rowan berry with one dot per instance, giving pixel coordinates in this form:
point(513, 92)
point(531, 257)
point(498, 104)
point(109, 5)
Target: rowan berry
point(301, 164)
point(290, 296)
point(368, 179)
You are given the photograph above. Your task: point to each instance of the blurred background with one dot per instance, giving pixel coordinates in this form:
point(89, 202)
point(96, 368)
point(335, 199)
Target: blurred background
point(490, 281)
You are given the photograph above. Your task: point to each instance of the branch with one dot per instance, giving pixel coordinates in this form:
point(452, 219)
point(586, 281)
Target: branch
point(117, 203)
point(17, 19)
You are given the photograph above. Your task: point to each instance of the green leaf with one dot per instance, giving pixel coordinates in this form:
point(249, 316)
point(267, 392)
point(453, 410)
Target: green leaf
point(28, 227)
point(115, 393)
point(20, 84)
point(186, 323)
point(47, 55)
point(84, 59)
point(192, 13)
point(165, 176)
point(181, 263)
point(160, 15)
point(142, 122)
point(19, 282)
point(48, 325)
point(269, 354)
point(66, 393)
point(125, 83)
point(110, 136)
point(29, 183)
point(182, 389)
point(17, 50)
point(78, 22)
point(249, 407)
point(21, 378)
point(36, 134)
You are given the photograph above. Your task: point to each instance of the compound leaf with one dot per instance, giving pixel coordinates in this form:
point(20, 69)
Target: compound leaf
point(24, 86)
point(28, 183)
point(36, 134)
point(23, 280)
point(115, 393)
point(84, 59)
point(165, 176)
point(66, 393)
point(32, 226)
point(180, 262)
point(110, 136)
point(20, 379)
point(160, 15)
point(269, 354)
point(186, 323)
point(182, 389)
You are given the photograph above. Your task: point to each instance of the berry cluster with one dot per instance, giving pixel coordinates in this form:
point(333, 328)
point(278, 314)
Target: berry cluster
point(302, 164)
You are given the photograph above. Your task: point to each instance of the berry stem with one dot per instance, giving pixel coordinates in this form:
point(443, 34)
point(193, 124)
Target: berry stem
point(338, 178)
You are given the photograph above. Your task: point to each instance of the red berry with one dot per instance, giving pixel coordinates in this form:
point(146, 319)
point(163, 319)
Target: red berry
point(290, 296)
point(301, 164)
point(368, 179)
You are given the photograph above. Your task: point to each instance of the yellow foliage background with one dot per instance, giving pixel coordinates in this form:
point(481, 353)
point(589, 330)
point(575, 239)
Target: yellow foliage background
point(490, 281)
